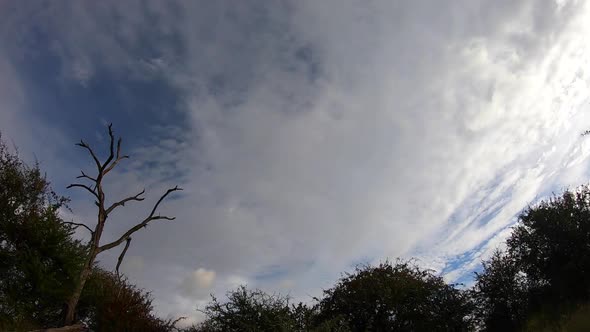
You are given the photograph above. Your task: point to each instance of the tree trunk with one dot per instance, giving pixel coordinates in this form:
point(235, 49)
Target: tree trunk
point(73, 301)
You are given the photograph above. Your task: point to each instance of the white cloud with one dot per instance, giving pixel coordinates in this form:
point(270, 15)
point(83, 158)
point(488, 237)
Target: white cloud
point(198, 281)
point(322, 133)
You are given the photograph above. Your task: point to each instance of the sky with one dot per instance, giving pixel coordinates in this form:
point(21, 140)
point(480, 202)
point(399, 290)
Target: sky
point(309, 136)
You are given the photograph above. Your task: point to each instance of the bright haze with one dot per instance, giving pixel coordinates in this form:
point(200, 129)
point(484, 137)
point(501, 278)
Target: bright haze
point(309, 136)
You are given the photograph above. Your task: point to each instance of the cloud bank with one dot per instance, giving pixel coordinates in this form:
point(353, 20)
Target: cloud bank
point(310, 136)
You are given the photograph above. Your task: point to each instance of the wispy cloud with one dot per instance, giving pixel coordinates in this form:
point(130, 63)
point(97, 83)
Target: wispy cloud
point(310, 135)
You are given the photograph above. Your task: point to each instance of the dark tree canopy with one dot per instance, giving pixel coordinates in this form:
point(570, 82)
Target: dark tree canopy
point(255, 310)
point(249, 310)
point(111, 303)
point(396, 297)
point(388, 297)
point(545, 273)
point(551, 242)
point(39, 260)
point(500, 294)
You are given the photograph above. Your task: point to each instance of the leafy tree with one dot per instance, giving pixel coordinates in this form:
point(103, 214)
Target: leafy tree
point(255, 310)
point(551, 244)
point(110, 303)
point(248, 310)
point(501, 294)
point(39, 260)
point(545, 273)
point(399, 297)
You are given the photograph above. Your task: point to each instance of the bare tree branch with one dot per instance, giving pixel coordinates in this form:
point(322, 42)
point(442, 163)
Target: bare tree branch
point(97, 191)
point(120, 260)
point(112, 152)
point(106, 167)
point(86, 146)
point(123, 201)
point(162, 217)
point(586, 133)
point(85, 187)
point(176, 188)
point(78, 224)
point(84, 176)
point(144, 223)
point(117, 160)
point(174, 322)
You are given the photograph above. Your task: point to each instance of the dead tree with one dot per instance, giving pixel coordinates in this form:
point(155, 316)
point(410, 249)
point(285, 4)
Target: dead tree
point(95, 188)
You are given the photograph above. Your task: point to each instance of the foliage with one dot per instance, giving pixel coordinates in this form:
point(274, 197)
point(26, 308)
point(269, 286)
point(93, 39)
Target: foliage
point(250, 310)
point(500, 294)
point(577, 319)
point(111, 303)
point(545, 273)
point(398, 297)
point(40, 260)
point(38, 257)
point(552, 246)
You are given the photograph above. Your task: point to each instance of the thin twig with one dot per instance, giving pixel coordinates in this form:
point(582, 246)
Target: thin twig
point(109, 164)
point(174, 322)
point(78, 224)
point(112, 153)
point(84, 175)
point(85, 187)
point(86, 146)
point(120, 260)
point(144, 223)
point(123, 201)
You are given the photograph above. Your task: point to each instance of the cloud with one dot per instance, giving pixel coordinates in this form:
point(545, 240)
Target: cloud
point(198, 281)
point(133, 265)
point(312, 135)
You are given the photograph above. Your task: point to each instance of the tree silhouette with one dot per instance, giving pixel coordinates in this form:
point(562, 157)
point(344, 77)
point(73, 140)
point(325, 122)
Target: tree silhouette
point(501, 294)
point(396, 297)
point(552, 245)
point(39, 260)
point(95, 188)
point(111, 303)
point(249, 310)
point(545, 272)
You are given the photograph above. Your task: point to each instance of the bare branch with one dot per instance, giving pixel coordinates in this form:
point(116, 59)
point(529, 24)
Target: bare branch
point(84, 176)
point(586, 133)
point(112, 152)
point(144, 223)
point(79, 225)
point(176, 188)
point(86, 146)
point(108, 166)
point(162, 217)
point(120, 260)
point(85, 187)
point(114, 164)
point(119, 147)
point(123, 201)
point(174, 322)
point(118, 158)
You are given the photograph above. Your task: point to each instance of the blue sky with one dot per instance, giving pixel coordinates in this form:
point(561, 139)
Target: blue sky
point(309, 135)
